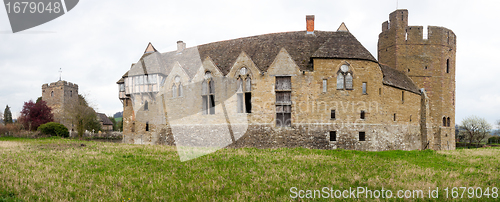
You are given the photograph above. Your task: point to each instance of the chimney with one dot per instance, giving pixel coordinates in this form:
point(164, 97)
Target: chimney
point(180, 46)
point(310, 24)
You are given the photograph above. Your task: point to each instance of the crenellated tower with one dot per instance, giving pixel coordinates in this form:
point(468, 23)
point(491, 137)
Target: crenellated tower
point(429, 60)
point(58, 96)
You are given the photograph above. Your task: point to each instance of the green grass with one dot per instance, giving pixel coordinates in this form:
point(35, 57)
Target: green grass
point(55, 169)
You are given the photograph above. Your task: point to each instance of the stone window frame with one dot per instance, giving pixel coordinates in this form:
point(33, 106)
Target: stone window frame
point(333, 114)
point(244, 90)
point(364, 88)
point(344, 76)
point(362, 136)
point(334, 133)
point(208, 94)
point(325, 85)
point(283, 91)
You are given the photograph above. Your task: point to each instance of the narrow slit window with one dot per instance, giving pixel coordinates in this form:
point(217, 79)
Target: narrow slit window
point(444, 121)
point(146, 106)
point(364, 88)
point(394, 116)
point(174, 91)
point(333, 136)
point(402, 96)
point(362, 115)
point(447, 65)
point(147, 126)
point(179, 93)
point(448, 121)
point(332, 114)
point(324, 85)
point(248, 94)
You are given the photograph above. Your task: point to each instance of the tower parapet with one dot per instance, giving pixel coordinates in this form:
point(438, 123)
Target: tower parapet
point(429, 60)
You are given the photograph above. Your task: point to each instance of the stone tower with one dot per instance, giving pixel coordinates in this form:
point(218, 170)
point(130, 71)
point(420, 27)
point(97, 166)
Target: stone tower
point(58, 95)
point(429, 60)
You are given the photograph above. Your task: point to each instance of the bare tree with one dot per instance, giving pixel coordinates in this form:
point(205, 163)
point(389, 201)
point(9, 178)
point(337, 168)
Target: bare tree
point(83, 116)
point(474, 129)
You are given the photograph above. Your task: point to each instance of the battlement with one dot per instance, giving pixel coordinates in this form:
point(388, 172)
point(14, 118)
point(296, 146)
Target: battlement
point(59, 84)
point(397, 27)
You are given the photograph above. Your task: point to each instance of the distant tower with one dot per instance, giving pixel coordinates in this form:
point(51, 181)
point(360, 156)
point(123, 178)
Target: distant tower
point(430, 62)
point(59, 95)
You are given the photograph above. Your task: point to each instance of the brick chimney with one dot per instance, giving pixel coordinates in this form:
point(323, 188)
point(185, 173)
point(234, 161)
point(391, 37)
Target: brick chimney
point(180, 46)
point(310, 24)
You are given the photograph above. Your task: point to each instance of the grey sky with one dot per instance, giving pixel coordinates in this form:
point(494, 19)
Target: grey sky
point(96, 42)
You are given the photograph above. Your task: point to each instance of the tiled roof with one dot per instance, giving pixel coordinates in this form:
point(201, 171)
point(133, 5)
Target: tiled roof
point(105, 120)
point(398, 79)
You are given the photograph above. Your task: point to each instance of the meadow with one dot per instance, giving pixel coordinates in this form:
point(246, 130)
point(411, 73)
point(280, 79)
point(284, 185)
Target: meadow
point(55, 169)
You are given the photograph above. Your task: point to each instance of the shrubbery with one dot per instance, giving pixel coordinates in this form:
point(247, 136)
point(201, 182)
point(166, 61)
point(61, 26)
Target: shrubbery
point(494, 139)
point(54, 129)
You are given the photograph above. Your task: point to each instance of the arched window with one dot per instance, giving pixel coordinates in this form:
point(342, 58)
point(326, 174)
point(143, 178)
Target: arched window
point(348, 81)
point(344, 78)
point(244, 91)
point(448, 121)
point(207, 94)
point(340, 81)
point(179, 93)
point(174, 90)
point(52, 94)
point(444, 121)
point(71, 92)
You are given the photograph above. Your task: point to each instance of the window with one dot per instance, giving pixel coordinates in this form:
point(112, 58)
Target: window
point(52, 94)
point(380, 91)
point(207, 94)
point(174, 90)
point(147, 126)
point(340, 81)
point(364, 88)
point(394, 116)
point(348, 81)
point(146, 106)
point(362, 115)
point(410, 118)
point(362, 136)
point(332, 114)
point(447, 65)
point(402, 96)
point(344, 78)
point(71, 92)
point(179, 90)
point(444, 121)
point(244, 91)
point(283, 91)
point(324, 85)
point(448, 121)
point(333, 135)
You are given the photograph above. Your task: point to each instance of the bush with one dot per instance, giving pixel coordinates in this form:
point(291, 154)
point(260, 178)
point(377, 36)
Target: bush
point(493, 140)
point(54, 129)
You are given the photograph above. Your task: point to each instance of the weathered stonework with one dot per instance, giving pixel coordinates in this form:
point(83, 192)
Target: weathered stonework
point(384, 109)
point(58, 95)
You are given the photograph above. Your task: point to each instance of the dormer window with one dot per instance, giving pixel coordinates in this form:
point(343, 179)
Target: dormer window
point(344, 78)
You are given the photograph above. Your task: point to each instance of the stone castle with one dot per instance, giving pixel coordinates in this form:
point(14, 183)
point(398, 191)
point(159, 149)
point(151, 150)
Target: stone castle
point(313, 89)
point(59, 95)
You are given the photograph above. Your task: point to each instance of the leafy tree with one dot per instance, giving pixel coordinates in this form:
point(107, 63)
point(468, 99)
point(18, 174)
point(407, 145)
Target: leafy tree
point(83, 116)
point(474, 129)
point(7, 115)
point(54, 129)
point(115, 125)
point(35, 114)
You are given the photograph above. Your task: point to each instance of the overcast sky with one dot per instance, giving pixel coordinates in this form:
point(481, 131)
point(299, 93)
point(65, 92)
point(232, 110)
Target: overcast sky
point(96, 42)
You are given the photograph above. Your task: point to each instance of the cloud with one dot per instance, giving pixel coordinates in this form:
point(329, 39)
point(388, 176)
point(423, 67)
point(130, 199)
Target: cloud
point(96, 42)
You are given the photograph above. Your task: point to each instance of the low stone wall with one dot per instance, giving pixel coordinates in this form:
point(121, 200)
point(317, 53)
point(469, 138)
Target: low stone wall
point(377, 137)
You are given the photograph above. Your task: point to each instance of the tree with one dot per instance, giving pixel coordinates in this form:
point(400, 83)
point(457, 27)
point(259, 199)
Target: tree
point(35, 114)
point(83, 116)
point(7, 115)
point(474, 129)
point(115, 125)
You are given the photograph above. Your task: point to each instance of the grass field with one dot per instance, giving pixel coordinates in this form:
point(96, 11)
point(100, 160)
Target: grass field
point(56, 169)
